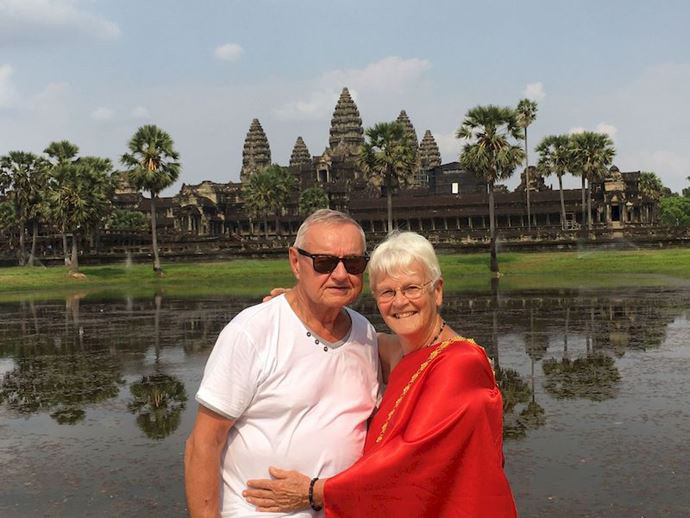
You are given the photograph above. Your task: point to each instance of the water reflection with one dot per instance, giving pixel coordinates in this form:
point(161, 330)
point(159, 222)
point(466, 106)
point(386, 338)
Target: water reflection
point(84, 365)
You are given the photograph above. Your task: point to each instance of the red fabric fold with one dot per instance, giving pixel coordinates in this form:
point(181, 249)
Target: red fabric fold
point(441, 452)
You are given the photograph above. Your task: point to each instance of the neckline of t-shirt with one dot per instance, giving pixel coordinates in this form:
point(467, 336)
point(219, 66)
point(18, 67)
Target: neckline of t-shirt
point(315, 336)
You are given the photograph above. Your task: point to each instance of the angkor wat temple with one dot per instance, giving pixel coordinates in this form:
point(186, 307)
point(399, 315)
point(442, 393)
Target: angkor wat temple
point(443, 197)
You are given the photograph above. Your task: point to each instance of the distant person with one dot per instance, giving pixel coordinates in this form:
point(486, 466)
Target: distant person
point(434, 448)
point(290, 381)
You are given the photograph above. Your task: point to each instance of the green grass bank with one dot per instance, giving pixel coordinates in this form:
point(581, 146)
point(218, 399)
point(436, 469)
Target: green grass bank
point(461, 271)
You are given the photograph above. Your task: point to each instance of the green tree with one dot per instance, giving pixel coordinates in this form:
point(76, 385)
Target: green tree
point(651, 185)
point(285, 183)
point(123, 219)
point(554, 158)
point(675, 211)
point(60, 154)
point(489, 153)
point(686, 190)
point(312, 199)
point(258, 195)
point(592, 154)
point(24, 174)
point(388, 160)
point(152, 165)
point(79, 194)
point(526, 114)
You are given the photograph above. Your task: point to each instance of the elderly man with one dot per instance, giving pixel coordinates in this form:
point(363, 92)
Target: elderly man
point(290, 382)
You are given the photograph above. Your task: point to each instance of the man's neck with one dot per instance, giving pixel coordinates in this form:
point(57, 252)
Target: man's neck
point(330, 323)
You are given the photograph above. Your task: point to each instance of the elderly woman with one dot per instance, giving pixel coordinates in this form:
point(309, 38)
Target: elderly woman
point(434, 448)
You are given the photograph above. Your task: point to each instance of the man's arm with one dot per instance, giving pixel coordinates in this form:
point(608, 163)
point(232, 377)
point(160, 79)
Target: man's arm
point(202, 462)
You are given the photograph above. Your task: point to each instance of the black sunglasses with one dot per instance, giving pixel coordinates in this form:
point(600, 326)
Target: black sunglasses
point(323, 263)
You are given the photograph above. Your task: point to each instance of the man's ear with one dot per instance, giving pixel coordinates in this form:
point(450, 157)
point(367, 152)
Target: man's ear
point(293, 256)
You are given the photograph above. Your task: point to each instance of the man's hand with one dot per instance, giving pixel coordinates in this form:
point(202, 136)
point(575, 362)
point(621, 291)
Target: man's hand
point(274, 293)
point(288, 492)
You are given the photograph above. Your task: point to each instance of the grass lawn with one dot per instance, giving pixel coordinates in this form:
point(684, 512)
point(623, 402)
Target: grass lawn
point(461, 271)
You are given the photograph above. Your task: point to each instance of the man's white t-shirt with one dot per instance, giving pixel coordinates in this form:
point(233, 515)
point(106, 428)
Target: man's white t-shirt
point(296, 405)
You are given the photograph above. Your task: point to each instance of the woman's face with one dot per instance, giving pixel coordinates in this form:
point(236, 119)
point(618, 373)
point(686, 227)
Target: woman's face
point(411, 318)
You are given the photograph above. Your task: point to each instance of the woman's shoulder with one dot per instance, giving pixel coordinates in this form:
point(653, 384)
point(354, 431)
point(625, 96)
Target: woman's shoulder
point(465, 353)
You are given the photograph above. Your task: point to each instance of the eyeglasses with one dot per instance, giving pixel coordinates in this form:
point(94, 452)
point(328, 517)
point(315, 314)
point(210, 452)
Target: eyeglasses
point(410, 292)
point(324, 263)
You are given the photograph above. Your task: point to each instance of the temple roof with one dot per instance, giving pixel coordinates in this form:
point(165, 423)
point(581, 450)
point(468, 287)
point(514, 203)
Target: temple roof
point(256, 153)
point(346, 125)
point(429, 155)
point(300, 154)
point(409, 128)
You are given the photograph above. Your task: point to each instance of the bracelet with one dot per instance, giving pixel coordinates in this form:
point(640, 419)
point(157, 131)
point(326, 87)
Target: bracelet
point(311, 495)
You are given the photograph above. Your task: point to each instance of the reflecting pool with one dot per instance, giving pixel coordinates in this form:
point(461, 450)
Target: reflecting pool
point(97, 397)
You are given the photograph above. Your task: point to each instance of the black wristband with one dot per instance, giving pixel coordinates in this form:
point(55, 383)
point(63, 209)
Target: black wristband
point(311, 495)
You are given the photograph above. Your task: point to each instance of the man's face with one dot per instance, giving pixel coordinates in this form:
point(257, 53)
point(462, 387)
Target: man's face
point(337, 288)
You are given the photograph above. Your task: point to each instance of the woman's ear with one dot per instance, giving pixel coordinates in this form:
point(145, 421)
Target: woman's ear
point(438, 292)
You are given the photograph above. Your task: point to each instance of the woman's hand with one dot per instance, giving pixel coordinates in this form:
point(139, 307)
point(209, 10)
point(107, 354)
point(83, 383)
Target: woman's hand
point(274, 293)
point(288, 492)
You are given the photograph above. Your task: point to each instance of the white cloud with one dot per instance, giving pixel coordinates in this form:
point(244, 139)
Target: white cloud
point(102, 114)
point(8, 94)
point(42, 20)
point(672, 167)
point(578, 129)
point(534, 91)
point(449, 146)
point(228, 52)
point(140, 113)
point(387, 77)
point(607, 129)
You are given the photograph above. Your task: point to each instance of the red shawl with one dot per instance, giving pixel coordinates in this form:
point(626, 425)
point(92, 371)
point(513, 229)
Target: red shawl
point(434, 448)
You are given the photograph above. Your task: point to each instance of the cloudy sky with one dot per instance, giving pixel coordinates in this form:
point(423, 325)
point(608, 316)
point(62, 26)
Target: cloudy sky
point(92, 71)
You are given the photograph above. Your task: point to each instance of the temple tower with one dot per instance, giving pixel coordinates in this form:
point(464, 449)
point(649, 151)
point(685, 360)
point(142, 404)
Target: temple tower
point(300, 154)
point(346, 126)
point(256, 153)
point(429, 157)
point(409, 128)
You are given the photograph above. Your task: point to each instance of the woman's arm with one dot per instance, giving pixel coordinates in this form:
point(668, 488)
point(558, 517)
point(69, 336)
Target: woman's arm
point(390, 353)
point(287, 492)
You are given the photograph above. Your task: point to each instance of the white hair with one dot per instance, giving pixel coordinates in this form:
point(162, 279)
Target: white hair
point(327, 216)
point(398, 253)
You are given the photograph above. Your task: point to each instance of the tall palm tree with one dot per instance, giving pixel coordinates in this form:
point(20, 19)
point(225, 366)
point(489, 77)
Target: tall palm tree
point(526, 113)
point(592, 154)
point(554, 158)
point(490, 153)
point(24, 175)
point(152, 165)
point(259, 195)
point(388, 160)
point(79, 194)
point(285, 183)
point(59, 154)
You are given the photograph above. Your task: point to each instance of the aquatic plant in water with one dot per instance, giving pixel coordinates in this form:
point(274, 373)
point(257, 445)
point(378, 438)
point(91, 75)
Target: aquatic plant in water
point(159, 399)
point(594, 377)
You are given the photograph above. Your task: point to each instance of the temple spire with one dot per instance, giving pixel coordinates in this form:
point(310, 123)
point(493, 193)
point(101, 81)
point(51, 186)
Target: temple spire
point(346, 125)
point(409, 128)
point(429, 155)
point(256, 153)
point(300, 154)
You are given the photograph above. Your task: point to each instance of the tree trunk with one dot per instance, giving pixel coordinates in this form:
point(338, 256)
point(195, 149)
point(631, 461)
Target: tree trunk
point(494, 325)
point(154, 235)
point(389, 202)
point(65, 252)
point(492, 230)
point(266, 227)
point(584, 208)
point(34, 234)
point(74, 262)
point(589, 204)
point(529, 209)
point(22, 256)
point(560, 188)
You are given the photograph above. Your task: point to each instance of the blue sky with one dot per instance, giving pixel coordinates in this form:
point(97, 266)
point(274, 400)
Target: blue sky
point(92, 71)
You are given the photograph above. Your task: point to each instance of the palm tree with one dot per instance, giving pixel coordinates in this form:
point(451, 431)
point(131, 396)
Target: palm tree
point(285, 183)
point(259, 195)
point(651, 185)
point(24, 175)
point(79, 194)
point(592, 154)
point(490, 154)
point(554, 158)
point(526, 113)
point(388, 160)
point(61, 153)
point(152, 165)
point(312, 199)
